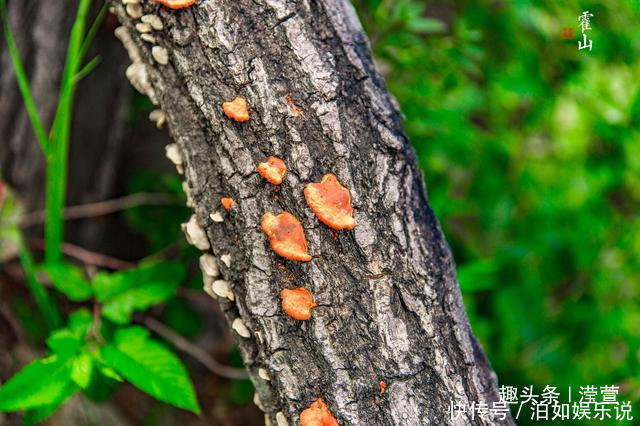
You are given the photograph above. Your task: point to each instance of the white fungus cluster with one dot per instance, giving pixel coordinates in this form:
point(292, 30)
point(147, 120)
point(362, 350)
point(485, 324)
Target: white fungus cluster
point(240, 327)
point(195, 234)
point(138, 75)
point(173, 153)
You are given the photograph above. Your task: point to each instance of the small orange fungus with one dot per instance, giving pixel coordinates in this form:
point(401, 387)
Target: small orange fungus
point(226, 202)
point(286, 236)
point(383, 386)
point(237, 109)
point(297, 303)
point(176, 4)
point(295, 111)
point(273, 170)
point(331, 202)
point(317, 415)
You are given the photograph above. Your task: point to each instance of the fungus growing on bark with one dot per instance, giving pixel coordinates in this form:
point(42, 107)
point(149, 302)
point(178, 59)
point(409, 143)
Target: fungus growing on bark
point(209, 265)
point(174, 154)
point(195, 234)
point(273, 170)
point(134, 10)
point(160, 54)
point(222, 288)
point(286, 236)
point(281, 419)
point(264, 375)
point(216, 217)
point(331, 202)
point(295, 111)
point(383, 386)
point(227, 203)
point(239, 327)
point(153, 20)
point(148, 38)
point(176, 4)
point(141, 27)
point(237, 109)
point(297, 303)
point(158, 116)
point(317, 415)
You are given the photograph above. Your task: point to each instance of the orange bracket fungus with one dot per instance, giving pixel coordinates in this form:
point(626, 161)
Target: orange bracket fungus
point(273, 170)
point(227, 203)
point(317, 415)
point(237, 109)
point(331, 202)
point(297, 303)
point(176, 4)
point(286, 236)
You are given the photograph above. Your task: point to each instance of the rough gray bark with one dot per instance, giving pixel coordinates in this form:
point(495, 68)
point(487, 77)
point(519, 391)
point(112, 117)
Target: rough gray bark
point(41, 29)
point(390, 307)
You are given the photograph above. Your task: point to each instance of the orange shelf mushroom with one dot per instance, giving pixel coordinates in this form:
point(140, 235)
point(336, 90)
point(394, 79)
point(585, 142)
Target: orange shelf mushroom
point(317, 415)
point(273, 170)
point(331, 202)
point(297, 303)
point(176, 4)
point(227, 203)
point(237, 109)
point(286, 236)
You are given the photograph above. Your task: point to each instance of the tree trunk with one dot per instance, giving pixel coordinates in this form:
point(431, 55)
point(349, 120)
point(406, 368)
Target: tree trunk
point(389, 304)
point(41, 29)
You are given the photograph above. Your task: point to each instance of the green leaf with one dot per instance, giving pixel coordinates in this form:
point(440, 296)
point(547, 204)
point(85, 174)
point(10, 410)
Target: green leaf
point(137, 289)
point(478, 275)
point(43, 382)
point(67, 341)
point(64, 343)
point(81, 369)
point(426, 25)
point(69, 280)
point(41, 413)
point(101, 385)
point(80, 322)
point(150, 366)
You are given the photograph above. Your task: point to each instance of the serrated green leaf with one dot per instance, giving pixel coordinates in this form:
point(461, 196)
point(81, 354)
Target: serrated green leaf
point(137, 289)
point(43, 382)
point(69, 280)
point(41, 413)
point(150, 366)
point(81, 369)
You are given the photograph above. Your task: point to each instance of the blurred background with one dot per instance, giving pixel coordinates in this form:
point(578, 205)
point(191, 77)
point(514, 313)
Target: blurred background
point(530, 149)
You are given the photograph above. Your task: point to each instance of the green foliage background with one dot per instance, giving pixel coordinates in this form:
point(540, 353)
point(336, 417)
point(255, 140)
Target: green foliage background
point(531, 154)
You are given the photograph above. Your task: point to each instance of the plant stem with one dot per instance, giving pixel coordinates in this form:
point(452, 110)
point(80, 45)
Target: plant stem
point(57, 161)
point(45, 305)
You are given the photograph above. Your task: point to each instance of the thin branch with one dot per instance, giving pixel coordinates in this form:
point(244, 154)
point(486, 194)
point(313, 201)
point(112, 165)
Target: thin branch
point(102, 208)
point(194, 351)
point(86, 256)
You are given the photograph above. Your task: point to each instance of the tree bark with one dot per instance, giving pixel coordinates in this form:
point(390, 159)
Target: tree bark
point(41, 29)
point(390, 307)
